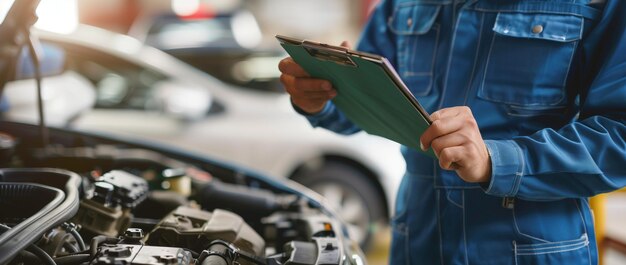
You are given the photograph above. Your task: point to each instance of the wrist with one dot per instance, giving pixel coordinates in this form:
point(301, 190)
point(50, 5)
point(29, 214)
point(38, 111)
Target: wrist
point(308, 111)
point(488, 170)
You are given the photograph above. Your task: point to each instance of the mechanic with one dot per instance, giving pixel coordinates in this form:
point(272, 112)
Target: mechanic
point(528, 102)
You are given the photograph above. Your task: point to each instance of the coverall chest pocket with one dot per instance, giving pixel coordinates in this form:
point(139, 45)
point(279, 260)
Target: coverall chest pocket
point(529, 59)
point(417, 37)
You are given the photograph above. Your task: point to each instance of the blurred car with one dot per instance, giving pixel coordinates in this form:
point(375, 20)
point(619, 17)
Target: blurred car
point(70, 197)
point(226, 45)
point(144, 93)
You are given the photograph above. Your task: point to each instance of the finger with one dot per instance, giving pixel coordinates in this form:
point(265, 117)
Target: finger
point(288, 82)
point(310, 103)
point(312, 84)
point(440, 128)
point(313, 95)
point(290, 67)
point(450, 112)
point(448, 140)
point(443, 113)
point(296, 85)
point(451, 158)
point(346, 44)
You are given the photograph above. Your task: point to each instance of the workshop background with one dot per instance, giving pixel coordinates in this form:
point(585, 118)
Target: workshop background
point(329, 21)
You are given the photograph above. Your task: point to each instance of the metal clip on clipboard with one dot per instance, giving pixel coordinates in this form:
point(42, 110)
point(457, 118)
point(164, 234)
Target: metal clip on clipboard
point(325, 52)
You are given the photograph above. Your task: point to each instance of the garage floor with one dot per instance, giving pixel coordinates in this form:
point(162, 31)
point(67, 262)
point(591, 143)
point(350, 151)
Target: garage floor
point(616, 226)
point(379, 254)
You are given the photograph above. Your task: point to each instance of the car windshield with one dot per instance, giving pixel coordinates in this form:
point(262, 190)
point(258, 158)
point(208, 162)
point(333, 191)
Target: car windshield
point(173, 33)
point(119, 83)
point(226, 46)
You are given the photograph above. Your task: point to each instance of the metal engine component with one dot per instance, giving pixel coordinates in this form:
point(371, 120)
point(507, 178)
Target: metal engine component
point(320, 251)
point(128, 190)
point(62, 240)
point(99, 219)
point(141, 255)
point(325, 250)
point(108, 211)
point(253, 202)
point(196, 229)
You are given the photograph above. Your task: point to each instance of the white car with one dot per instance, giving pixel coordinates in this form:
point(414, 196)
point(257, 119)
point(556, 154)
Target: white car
point(146, 94)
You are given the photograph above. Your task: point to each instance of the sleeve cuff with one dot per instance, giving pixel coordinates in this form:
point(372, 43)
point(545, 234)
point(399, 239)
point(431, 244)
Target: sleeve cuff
point(315, 118)
point(507, 165)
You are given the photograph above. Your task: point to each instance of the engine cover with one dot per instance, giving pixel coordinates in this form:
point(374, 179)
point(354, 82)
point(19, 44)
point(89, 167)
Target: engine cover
point(142, 255)
point(195, 229)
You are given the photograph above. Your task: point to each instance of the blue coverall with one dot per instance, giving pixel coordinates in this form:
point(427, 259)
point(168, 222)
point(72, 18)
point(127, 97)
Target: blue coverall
point(546, 82)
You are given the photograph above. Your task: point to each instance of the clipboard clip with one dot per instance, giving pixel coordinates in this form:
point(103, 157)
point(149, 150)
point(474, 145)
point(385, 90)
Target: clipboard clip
point(336, 54)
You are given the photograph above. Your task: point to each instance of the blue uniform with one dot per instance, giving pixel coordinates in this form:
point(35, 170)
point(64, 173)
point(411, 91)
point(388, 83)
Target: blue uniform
point(546, 82)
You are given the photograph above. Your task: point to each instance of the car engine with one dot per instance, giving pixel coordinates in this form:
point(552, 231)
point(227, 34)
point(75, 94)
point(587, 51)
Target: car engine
point(84, 199)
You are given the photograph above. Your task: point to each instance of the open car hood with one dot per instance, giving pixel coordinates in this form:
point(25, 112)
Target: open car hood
point(139, 203)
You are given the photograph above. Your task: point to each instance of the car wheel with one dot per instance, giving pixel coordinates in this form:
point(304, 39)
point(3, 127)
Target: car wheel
point(351, 193)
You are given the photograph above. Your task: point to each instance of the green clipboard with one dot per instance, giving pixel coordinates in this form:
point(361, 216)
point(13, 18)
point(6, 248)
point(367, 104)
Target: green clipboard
point(369, 91)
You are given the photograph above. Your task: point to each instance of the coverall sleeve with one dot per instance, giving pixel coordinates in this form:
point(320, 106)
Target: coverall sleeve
point(587, 156)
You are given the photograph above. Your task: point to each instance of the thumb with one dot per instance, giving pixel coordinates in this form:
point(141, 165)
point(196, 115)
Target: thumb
point(346, 44)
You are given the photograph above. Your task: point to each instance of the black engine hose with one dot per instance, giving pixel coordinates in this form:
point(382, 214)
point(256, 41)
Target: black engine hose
point(33, 251)
point(79, 239)
point(26, 257)
point(16, 199)
point(97, 240)
point(72, 259)
point(70, 247)
point(32, 228)
point(42, 255)
point(71, 228)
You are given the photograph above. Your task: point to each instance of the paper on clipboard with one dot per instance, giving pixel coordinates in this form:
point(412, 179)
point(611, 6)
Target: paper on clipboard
point(369, 91)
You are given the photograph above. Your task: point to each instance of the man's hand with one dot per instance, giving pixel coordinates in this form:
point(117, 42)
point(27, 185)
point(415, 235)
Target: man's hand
point(309, 94)
point(456, 140)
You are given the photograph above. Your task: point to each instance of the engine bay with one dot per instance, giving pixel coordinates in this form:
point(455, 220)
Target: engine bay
point(87, 199)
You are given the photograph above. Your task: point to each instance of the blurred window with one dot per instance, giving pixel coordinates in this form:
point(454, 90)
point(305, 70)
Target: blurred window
point(120, 84)
point(226, 46)
point(174, 33)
